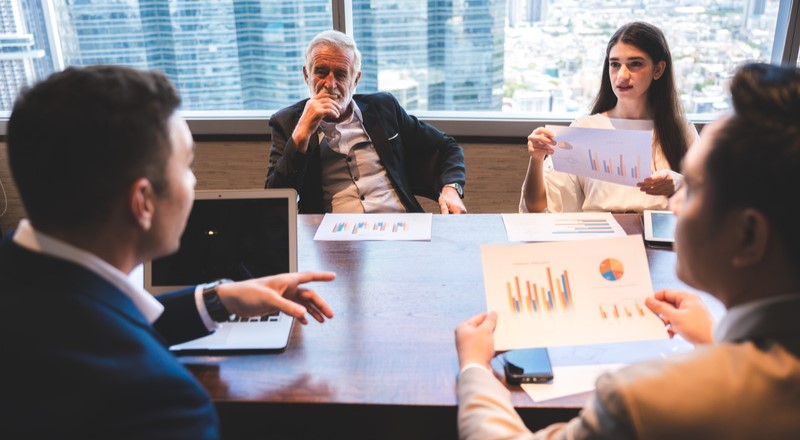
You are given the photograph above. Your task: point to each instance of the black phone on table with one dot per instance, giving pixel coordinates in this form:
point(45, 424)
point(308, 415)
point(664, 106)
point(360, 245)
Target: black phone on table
point(529, 365)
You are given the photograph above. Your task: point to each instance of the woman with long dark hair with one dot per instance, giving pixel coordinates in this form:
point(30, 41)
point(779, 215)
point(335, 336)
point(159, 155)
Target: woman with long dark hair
point(637, 92)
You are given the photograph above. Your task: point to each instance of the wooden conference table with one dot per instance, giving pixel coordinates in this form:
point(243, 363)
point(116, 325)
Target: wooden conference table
point(386, 366)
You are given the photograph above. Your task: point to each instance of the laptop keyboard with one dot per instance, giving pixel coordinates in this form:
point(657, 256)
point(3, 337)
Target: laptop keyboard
point(272, 317)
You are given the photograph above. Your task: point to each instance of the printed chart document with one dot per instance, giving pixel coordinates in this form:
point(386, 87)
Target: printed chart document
point(569, 293)
point(619, 156)
point(561, 226)
point(363, 227)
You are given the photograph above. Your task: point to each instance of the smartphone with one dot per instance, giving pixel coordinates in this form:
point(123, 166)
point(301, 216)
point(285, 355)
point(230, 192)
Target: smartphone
point(530, 365)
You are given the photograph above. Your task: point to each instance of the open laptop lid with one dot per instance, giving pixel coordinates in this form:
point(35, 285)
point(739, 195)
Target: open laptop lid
point(236, 234)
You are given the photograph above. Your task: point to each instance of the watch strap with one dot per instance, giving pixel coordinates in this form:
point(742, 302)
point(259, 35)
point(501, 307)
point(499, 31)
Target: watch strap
point(457, 187)
point(214, 305)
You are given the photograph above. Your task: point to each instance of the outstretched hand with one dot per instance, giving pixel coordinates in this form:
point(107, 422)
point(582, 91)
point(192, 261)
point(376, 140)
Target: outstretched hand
point(284, 292)
point(661, 183)
point(684, 314)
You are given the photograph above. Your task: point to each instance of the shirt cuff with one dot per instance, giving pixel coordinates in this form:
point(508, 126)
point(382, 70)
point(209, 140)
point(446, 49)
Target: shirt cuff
point(210, 324)
point(472, 365)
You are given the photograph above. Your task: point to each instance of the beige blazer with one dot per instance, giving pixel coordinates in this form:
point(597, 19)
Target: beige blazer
point(747, 386)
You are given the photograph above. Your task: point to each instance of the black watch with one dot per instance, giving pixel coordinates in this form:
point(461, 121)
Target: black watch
point(458, 188)
point(214, 305)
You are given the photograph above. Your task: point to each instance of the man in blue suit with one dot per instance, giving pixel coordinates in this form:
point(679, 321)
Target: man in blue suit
point(102, 162)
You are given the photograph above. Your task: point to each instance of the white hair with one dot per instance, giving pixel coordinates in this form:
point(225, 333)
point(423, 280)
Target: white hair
point(336, 40)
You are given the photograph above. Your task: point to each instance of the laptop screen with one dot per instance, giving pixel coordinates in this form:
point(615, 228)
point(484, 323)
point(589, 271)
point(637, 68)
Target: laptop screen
point(230, 234)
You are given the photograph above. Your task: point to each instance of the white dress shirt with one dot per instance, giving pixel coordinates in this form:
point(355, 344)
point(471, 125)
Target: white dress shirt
point(571, 193)
point(353, 178)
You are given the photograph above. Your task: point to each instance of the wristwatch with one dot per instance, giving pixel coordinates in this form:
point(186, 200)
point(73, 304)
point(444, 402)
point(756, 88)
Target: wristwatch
point(214, 305)
point(458, 188)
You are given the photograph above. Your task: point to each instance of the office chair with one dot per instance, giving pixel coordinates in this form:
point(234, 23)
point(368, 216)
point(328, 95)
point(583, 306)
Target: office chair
point(423, 175)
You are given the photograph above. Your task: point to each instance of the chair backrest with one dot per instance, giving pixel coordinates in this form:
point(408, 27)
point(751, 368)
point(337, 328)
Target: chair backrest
point(423, 175)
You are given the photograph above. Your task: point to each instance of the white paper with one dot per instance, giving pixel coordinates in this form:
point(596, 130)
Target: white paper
point(568, 381)
point(362, 227)
point(569, 293)
point(561, 226)
point(619, 156)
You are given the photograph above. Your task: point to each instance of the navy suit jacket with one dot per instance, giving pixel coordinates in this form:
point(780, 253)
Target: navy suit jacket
point(80, 361)
point(398, 138)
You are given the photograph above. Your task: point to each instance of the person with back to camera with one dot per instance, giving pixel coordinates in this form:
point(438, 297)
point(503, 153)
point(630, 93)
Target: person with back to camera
point(637, 92)
point(737, 239)
point(102, 160)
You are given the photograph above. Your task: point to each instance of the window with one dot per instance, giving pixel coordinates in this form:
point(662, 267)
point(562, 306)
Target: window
point(471, 58)
point(222, 55)
point(540, 56)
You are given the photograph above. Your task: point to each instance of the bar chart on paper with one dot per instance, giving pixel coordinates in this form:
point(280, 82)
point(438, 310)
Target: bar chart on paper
point(619, 156)
point(368, 227)
point(620, 169)
point(630, 308)
point(359, 227)
point(569, 293)
point(541, 296)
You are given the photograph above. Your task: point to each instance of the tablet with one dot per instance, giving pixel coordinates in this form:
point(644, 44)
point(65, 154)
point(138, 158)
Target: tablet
point(659, 226)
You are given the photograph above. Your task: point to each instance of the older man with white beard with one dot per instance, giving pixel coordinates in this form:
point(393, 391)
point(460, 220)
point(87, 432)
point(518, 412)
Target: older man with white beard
point(353, 153)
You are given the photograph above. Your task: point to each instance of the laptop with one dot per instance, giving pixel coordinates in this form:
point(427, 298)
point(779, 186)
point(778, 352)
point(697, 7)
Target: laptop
point(236, 234)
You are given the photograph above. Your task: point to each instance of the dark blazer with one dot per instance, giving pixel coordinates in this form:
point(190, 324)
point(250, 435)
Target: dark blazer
point(80, 361)
point(398, 137)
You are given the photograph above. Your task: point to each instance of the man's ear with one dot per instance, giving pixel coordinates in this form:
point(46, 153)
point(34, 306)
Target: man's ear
point(141, 200)
point(305, 74)
point(753, 238)
point(358, 77)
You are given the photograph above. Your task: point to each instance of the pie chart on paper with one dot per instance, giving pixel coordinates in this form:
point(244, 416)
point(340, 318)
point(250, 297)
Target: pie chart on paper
point(611, 269)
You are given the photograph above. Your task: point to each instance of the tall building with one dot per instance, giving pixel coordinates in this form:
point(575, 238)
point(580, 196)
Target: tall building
point(465, 54)
point(432, 54)
point(274, 65)
point(537, 10)
point(392, 38)
point(516, 11)
point(758, 7)
point(39, 23)
point(18, 52)
point(222, 55)
point(248, 54)
point(753, 11)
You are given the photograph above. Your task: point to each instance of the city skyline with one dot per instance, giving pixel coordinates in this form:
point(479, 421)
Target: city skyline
point(456, 55)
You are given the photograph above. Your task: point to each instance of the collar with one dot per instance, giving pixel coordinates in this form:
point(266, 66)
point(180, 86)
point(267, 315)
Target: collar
point(756, 318)
point(35, 241)
point(356, 111)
